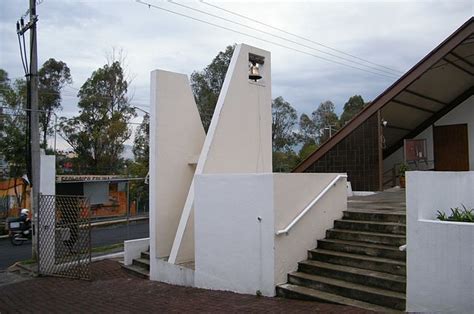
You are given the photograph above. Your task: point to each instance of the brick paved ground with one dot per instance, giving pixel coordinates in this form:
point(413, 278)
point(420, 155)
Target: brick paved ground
point(113, 290)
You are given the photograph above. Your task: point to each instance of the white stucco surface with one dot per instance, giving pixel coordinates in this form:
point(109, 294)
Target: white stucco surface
point(234, 250)
point(464, 113)
point(133, 249)
point(176, 136)
point(173, 274)
point(239, 139)
point(236, 219)
point(48, 174)
point(440, 255)
point(292, 192)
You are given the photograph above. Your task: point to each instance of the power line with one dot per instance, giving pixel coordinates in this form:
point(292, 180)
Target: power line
point(63, 94)
point(258, 38)
point(298, 36)
point(280, 37)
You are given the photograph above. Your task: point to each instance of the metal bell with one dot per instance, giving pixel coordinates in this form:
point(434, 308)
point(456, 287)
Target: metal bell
point(254, 74)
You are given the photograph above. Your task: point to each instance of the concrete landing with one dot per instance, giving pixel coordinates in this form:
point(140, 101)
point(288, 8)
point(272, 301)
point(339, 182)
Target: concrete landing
point(392, 200)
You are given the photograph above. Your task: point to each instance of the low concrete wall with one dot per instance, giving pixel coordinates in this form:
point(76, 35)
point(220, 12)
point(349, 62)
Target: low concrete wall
point(292, 193)
point(133, 248)
point(440, 255)
point(237, 216)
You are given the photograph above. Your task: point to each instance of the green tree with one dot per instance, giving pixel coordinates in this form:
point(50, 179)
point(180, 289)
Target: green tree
point(141, 143)
point(307, 129)
point(325, 118)
point(307, 149)
point(98, 133)
point(13, 128)
point(207, 84)
point(53, 76)
point(284, 161)
point(352, 107)
point(284, 119)
point(139, 191)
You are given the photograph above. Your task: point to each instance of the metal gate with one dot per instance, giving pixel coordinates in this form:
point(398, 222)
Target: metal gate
point(64, 236)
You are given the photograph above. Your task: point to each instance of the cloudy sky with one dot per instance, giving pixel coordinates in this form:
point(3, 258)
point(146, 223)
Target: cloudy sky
point(394, 34)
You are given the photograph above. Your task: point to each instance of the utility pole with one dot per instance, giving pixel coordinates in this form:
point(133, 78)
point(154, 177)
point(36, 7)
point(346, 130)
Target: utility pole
point(35, 137)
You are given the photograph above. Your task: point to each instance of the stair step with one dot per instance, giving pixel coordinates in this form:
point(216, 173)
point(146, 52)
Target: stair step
point(359, 292)
point(370, 237)
point(304, 293)
point(364, 248)
point(370, 226)
point(137, 271)
point(145, 255)
point(142, 262)
point(375, 215)
point(355, 275)
point(360, 261)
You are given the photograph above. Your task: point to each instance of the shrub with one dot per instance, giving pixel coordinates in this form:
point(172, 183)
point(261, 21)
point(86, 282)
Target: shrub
point(402, 169)
point(458, 214)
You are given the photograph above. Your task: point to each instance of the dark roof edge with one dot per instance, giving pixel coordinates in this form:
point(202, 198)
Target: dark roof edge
point(406, 79)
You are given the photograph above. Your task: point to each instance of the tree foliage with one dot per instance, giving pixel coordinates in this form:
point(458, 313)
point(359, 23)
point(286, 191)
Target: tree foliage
point(53, 76)
point(352, 107)
point(307, 130)
point(98, 133)
point(13, 140)
point(141, 143)
point(284, 119)
point(207, 84)
point(284, 161)
point(324, 118)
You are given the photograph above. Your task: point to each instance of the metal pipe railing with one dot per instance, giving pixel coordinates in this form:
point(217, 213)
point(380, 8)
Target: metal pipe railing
point(311, 204)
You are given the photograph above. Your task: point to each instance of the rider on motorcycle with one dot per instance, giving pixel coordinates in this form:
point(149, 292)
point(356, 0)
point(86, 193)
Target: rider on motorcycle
point(25, 218)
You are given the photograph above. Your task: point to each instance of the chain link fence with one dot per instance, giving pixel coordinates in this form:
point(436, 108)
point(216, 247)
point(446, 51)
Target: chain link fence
point(64, 236)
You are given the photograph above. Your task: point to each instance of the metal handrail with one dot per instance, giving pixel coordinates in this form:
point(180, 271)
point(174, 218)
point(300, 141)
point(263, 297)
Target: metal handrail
point(311, 204)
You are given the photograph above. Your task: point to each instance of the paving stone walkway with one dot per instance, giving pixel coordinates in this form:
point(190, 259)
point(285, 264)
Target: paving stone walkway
point(113, 290)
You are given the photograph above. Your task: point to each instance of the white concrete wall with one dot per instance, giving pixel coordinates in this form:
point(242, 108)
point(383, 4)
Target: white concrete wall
point(292, 192)
point(48, 174)
point(134, 248)
point(176, 136)
point(237, 216)
point(464, 113)
point(239, 139)
point(440, 255)
point(234, 250)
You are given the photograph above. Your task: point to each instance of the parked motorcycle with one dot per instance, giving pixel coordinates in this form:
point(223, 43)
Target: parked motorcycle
point(19, 228)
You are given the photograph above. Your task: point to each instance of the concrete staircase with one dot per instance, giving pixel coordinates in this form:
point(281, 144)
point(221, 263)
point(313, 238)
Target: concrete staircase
point(140, 266)
point(358, 263)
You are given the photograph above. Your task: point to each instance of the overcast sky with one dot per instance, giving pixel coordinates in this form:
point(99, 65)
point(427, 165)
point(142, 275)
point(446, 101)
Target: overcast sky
point(395, 34)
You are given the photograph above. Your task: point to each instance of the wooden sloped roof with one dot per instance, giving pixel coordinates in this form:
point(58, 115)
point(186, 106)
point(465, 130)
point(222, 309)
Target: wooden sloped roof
point(435, 85)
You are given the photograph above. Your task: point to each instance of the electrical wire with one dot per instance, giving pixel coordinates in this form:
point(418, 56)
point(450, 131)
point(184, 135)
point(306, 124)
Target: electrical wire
point(280, 37)
point(24, 51)
point(25, 68)
point(297, 36)
point(150, 5)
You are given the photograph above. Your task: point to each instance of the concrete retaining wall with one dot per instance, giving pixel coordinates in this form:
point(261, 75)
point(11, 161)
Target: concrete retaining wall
point(440, 255)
